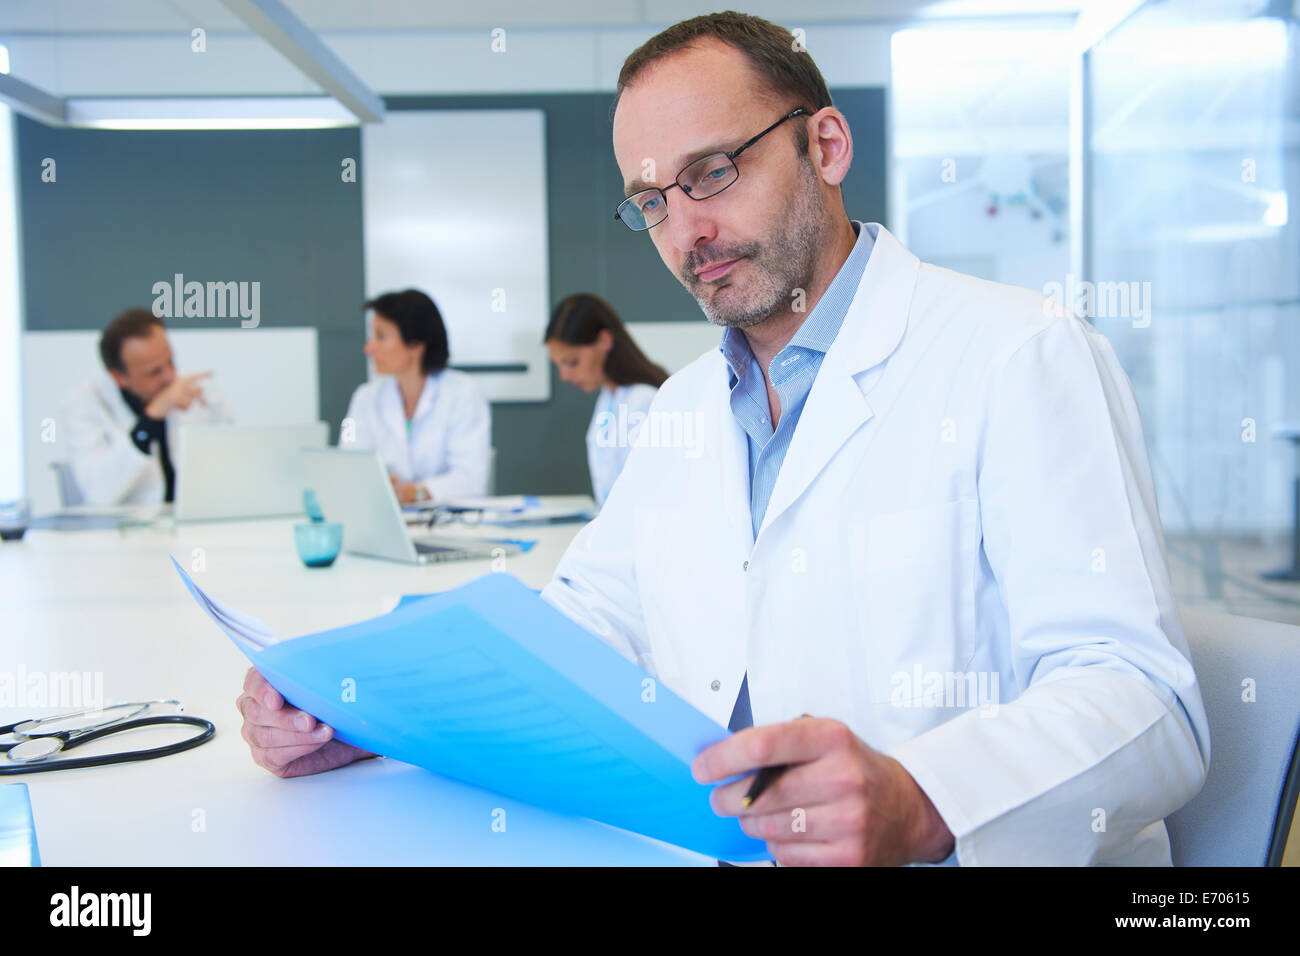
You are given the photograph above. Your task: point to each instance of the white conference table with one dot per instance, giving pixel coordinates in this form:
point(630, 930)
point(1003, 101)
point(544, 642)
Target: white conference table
point(109, 602)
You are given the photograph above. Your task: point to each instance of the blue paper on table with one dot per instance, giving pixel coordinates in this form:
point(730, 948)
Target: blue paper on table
point(17, 828)
point(491, 685)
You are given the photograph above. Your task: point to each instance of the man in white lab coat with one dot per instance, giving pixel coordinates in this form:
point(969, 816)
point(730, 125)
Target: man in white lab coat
point(913, 504)
point(121, 427)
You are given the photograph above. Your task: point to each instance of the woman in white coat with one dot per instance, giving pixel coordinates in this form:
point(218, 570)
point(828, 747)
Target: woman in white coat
point(430, 424)
point(591, 348)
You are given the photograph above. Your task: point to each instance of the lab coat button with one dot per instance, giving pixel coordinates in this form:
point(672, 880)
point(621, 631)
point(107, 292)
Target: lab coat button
point(745, 566)
point(716, 685)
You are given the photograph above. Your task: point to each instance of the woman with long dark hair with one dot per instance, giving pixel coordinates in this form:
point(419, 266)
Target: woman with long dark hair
point(592, 349)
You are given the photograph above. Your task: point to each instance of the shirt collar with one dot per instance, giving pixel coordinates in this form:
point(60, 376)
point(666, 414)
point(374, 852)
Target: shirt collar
point(132, 401)
point(422, 404)
point(822, 324)
point(735, 349)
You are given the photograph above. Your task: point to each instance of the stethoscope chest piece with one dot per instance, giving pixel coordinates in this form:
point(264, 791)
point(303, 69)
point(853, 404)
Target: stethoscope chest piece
point(35, 748)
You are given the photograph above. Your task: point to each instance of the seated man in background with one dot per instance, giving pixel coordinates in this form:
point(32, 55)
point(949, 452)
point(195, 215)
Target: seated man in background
point(121, 426)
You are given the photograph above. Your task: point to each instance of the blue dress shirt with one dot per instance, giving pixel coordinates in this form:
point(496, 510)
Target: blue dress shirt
point(792, 371)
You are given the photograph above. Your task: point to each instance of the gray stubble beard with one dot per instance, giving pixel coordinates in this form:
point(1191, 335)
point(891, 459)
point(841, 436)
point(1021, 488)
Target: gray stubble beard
point(783, 264)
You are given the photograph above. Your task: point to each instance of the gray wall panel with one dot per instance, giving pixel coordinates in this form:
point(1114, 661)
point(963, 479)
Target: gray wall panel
point(131, 208)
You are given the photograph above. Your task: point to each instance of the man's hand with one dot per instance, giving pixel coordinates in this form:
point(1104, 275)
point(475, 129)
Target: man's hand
point(287, 741)
point(181, 393)
point(408, 492)
point(843, 804)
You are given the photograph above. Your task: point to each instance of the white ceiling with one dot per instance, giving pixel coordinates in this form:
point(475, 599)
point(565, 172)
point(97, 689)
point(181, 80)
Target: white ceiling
point(73, 17)
point(141, 48)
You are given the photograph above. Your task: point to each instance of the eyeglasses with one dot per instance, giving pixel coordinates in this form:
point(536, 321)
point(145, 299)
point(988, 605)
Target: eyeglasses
point(703, 178)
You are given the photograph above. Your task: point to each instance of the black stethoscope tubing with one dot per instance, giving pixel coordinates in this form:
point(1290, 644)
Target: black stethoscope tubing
point(72, 739)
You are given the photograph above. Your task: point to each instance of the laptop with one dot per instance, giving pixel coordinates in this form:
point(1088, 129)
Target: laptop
point(354, 489)
point(241, 471)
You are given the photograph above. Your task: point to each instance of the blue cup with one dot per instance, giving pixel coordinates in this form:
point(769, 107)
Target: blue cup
point(14, 518)
point(318, 543)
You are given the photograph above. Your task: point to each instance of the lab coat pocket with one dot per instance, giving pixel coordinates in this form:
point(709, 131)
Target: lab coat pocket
point(915, 574)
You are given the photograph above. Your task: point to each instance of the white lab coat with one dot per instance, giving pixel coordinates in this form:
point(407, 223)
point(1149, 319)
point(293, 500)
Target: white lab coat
point(615, 422)
point(106, 465)
point(450, 443)
point(967, 493)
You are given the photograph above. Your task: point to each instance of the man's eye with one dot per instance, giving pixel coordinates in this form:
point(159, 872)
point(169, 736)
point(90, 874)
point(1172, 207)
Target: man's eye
point(649, 204)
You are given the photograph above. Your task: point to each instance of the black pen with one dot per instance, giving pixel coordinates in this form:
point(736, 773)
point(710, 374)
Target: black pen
point(765, 777)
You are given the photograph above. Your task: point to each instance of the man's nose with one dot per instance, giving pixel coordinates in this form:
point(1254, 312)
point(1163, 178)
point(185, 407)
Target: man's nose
point(688, 221)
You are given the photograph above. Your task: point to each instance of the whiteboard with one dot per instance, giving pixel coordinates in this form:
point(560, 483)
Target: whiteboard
point(675, 345)
point(266, 376)
point(455, 205)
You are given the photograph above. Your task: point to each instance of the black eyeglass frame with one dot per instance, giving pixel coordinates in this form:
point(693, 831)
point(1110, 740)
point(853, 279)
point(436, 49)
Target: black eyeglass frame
point(731, 158)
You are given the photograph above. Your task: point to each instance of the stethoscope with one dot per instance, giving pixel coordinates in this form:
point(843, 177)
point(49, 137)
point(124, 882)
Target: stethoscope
point(28, 745)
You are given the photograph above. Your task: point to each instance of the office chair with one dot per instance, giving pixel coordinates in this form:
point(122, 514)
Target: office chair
point(1242, 816)
point(69, 494)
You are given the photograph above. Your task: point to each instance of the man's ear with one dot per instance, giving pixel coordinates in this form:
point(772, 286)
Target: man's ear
point(831, 144)
point(118, 377)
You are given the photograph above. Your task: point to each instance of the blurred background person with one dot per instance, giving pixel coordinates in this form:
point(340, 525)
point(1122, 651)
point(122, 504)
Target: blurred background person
point(430, 424)
point(121, 427)
point(593, 350)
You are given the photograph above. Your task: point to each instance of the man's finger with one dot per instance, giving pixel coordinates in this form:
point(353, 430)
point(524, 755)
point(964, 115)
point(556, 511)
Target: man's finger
point(314, 761)
point(839, 820)
point(803, 785)
point(286, 718)
point(260, 688)
point(795, 741)
point(277, 758)
point(270, 738)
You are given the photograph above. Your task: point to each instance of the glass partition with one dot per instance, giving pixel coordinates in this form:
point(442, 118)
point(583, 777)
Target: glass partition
point(1192, 258)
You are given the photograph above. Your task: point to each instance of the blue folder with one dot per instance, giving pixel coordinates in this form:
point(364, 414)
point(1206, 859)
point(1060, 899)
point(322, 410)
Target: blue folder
point(491, 685)
point(17, 828)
